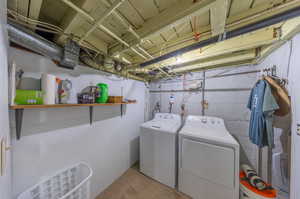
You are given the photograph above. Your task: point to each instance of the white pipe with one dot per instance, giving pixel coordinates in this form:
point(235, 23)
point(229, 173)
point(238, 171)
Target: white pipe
point(113, 35)
point(124, 21)
point(161, 70)
point(82, 12)
point(144, 51)
point(137, 52)
point(108, 12)
point(130, 29)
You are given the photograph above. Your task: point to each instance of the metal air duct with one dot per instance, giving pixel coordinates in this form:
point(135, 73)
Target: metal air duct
point(38, 44)
point(34, 42)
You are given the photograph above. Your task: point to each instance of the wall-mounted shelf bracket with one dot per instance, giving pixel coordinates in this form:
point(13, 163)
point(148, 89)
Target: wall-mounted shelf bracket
point(19, 121)
point(91, 109)
point(19, 109)
point(121, 110)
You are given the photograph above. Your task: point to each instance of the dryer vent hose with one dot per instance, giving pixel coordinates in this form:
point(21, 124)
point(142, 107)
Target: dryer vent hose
point(253, 178)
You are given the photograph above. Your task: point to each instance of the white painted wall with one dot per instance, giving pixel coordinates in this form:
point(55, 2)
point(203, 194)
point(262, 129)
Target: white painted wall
point(55, 138)
point(5, 181)
point(295, 87)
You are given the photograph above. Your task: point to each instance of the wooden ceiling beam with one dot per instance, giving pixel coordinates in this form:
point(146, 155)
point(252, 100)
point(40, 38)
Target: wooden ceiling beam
point(179, 13)
point(35, 9)
point(260, 12)
point(224, 59)
point(101, 19)
point(73, 22)
point(288, 30)
point(218, 16)
point(248, 41)
point(26, 8)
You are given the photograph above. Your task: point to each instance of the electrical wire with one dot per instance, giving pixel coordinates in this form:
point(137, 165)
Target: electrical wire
point(28, 20)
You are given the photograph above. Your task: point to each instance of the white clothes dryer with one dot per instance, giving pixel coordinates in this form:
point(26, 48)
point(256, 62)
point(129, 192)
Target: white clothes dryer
point(208, 159)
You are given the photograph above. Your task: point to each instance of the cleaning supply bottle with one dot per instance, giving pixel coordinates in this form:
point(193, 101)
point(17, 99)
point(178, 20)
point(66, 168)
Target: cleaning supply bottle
point(103, 89)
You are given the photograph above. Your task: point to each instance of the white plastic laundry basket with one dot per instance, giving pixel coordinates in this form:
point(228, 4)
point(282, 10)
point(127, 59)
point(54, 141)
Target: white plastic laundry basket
point(70, 183)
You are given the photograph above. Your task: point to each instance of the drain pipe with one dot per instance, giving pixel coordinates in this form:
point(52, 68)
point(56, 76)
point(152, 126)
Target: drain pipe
point(295, 12)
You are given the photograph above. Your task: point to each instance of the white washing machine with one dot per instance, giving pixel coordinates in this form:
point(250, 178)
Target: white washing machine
point(208, 159)
point(158, 156)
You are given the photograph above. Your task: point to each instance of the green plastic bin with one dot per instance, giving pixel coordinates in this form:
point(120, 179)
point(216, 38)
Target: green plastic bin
point(25, 97)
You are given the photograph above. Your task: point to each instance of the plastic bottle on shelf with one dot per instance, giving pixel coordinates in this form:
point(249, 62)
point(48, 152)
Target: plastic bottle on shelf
point(103, 89)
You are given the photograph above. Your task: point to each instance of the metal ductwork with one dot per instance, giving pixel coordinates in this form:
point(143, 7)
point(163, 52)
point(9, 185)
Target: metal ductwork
point(30, 40)
point(34, 42)
point(234, 33)
point(67, 57)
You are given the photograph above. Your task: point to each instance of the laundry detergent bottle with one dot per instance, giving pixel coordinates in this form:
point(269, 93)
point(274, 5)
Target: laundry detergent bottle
point(103, 93)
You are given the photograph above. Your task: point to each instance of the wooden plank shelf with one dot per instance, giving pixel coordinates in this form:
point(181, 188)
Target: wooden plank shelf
point(19, 109)
point(41, 106)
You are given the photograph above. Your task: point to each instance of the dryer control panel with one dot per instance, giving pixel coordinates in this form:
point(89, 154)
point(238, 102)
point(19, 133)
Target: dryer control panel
point(205, 120)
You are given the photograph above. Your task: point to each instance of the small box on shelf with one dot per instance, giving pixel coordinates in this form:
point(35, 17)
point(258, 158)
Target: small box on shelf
point(115, 99)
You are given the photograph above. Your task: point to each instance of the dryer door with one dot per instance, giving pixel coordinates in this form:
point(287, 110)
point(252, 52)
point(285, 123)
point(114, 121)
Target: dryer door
point(212, 163)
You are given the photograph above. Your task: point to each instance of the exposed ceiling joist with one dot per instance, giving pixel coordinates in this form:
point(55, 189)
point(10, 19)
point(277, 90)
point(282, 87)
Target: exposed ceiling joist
point(248, 41)
point(218, 16)
point(229, 64)
point(21, 6)
point(98, 23)
point(288, 30)
point(35, 8)
point(260, 12)
point(228, 58)
point(280, 36)
point(167, 34)
point(26, 8)
point(179, 13)
point(128, 27)
point(103, 16)
point(72, 22)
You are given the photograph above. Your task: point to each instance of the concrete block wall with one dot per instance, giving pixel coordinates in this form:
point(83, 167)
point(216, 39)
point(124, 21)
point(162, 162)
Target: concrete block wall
point(232, 107)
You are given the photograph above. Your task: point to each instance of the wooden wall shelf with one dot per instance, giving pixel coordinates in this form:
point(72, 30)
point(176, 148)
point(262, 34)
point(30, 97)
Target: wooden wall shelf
point(19, 109)
point(41, 106)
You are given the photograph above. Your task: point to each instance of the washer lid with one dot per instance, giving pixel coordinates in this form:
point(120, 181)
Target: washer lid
point(169, 126)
